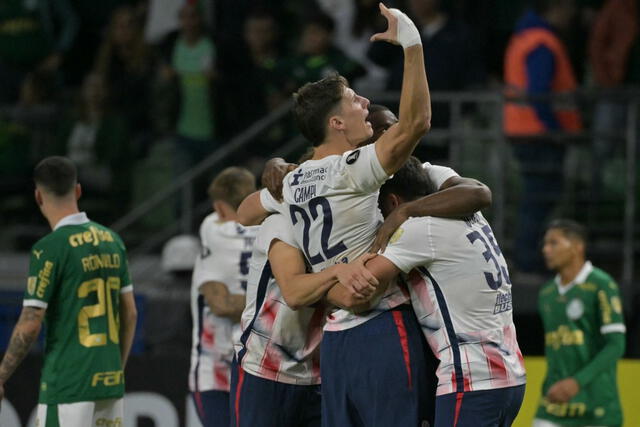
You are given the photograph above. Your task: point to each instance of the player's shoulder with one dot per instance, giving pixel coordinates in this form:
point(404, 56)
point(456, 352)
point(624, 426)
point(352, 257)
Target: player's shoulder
point(548, 288)
point(276, 226)
point(601, 279)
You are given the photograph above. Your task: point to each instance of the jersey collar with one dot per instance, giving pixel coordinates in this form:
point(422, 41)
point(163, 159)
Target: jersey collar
point(586, 269)
point(73, 219)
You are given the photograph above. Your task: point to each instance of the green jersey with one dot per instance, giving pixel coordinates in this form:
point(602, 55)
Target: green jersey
point(77, 273)
point(584, 337)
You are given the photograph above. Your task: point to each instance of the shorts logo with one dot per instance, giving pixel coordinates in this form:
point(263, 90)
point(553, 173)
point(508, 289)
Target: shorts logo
point(575, 309)
point(106, 422)
point(352, 157)
point(31, 284)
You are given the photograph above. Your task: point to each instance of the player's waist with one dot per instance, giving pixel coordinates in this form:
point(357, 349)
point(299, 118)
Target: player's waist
point(294, 374)
point(343, 319)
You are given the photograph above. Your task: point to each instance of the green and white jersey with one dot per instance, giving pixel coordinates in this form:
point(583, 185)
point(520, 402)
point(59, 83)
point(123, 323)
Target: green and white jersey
point(579, 320)
point(77, 274)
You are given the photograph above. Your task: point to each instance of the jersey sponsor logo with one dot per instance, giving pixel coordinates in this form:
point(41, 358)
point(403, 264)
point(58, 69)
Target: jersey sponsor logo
point(296, 178)
point(353, 157)
point(44, 275)
point(106, 422)
point(31, 284)
point(503, 303)
point(97, 262)
point(575, 309)
point(563, 337)
point(108, 378)
point(92, 236)
point(38, 253)
point(564, 410)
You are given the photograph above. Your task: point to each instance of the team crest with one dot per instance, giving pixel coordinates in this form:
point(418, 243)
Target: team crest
point(396, 236)
point(352, 157)
point(31, 284)
point(575, 309)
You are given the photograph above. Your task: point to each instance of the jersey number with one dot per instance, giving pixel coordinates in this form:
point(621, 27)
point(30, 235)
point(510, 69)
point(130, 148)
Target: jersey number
point(317, 206)
point(244, 267)
point(492, 251)
point(103, 307)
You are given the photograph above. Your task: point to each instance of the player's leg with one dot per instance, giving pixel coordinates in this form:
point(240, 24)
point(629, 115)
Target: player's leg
point(514, 397)
point(334, 368)
point(212, 407)
point(310, 414)
point(108, 412)
point(71, 414)
point(389, 384)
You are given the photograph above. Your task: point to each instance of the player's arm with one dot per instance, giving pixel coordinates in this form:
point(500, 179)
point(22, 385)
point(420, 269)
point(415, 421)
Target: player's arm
point(301, 289)
point(458, 197)
point(24, 335)
point(222, 302)
point(396, 145)
point(128, 319)
point(251, 211)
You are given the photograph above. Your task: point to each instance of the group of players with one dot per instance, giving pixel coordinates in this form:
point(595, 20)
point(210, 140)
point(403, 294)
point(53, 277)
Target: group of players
point(408, 323)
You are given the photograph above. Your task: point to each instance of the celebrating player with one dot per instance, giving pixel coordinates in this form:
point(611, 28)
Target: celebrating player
point(461, 293)
point(79, 285)
point(584, 335)
point(218, 295)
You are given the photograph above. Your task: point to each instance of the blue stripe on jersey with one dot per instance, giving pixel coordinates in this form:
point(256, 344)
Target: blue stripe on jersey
point(262, 292)
point(451, 333)
point(201, 305)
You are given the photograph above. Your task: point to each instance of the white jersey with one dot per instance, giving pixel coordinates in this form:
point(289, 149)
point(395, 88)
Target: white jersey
point(461, 293)
point(226, 252)
point(332, 204)
point(277, 343)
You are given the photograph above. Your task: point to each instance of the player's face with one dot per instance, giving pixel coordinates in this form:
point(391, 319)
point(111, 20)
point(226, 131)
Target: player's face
point(558, 250)
point(354, 112)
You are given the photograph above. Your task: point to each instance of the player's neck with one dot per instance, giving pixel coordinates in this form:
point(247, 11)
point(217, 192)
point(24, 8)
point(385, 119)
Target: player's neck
point(55, 213)
point(225, 212)
point(569, 272)
point(331, 147)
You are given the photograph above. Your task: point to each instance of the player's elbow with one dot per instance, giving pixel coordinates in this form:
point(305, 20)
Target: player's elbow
point(294, 302)
point(483, 196)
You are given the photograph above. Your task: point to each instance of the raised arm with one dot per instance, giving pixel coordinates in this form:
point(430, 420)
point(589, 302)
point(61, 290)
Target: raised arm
point(128, 319)
point(396, 145)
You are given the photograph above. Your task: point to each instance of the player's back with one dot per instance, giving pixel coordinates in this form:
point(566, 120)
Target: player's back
point(77, 273)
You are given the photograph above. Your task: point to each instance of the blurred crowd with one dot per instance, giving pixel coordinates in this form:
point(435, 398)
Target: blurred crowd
point(138, 91)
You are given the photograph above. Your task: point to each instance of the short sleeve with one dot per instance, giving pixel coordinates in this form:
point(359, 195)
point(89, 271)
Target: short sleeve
point(43, 276)
point(364, 169)
point(438, 174)
point(610, 307)
point(125, 278)
point(269, 203)
point(275, 227)
point(411, 245)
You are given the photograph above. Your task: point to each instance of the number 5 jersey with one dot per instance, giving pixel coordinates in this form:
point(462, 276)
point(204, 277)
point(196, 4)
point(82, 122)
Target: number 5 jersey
point(77, 273)
point(461, 293)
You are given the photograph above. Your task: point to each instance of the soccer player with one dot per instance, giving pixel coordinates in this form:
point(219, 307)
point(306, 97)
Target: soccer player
point(584, 335)
point(218, 295)
point(79, 286)
point(461, 293)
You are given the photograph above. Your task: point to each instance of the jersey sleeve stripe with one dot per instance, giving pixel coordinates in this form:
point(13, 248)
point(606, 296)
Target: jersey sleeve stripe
point(126, 289)
point(614, 327)
point(34, 303)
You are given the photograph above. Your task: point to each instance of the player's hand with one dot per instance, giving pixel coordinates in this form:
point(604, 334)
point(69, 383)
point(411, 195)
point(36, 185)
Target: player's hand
point(563, 390)
point(391, 35)
point(356, 278)
point(274, 172)
point(388, 227)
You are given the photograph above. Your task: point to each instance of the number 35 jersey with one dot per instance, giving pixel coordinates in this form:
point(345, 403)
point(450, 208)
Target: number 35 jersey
point(77, 273)
point(461, 293)
point(333, 206)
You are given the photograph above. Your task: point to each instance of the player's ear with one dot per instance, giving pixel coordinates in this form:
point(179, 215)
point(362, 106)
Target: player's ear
point(335, 122)
point(395, 201)
point(78, 191)
point(38, 196)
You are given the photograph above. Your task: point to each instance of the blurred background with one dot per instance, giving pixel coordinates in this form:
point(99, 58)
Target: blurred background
point(151, 98)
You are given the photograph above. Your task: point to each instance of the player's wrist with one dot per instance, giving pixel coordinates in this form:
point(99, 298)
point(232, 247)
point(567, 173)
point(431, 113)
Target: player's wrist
point(408, 34)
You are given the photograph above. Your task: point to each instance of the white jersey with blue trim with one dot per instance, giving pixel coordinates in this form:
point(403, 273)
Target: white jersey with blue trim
point(332, 204)
point(277, 343)
point(226, 251)
point(461, 293)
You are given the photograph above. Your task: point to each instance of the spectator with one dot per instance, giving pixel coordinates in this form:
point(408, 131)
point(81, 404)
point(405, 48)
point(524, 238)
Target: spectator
point(97, 141)
point(33, 35)
point(614, 53)
point(126, 63)
point(191, 63)
point(584, 335)
point(537, 64)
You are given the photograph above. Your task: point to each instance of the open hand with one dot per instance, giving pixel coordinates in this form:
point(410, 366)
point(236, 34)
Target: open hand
point(274, 172)
point(386, 230)
point(391, 35)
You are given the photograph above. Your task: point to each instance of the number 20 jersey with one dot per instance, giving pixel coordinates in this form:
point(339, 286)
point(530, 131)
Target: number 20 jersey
point(77, 273)
point(333, 206)
point(461, 293)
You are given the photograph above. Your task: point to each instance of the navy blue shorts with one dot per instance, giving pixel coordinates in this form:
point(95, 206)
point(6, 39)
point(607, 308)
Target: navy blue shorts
point(258, 402)
point(212, 407)
point(380, 373)
point(485, 408)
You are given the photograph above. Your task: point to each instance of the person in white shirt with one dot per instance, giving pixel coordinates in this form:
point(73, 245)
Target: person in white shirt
point(218, 295)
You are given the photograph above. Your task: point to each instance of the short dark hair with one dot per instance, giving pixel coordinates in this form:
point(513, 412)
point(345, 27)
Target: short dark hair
point(410, 182)
point(313, 103)
point(375, 108)
point(569, 228)
point(56, 175)
point(232, 185)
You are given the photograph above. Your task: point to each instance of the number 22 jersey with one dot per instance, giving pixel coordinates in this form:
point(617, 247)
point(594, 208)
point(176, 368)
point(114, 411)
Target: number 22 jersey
point(77, 274)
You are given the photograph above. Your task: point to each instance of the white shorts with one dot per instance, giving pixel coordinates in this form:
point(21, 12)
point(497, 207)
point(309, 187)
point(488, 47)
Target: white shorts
point(103, 413)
